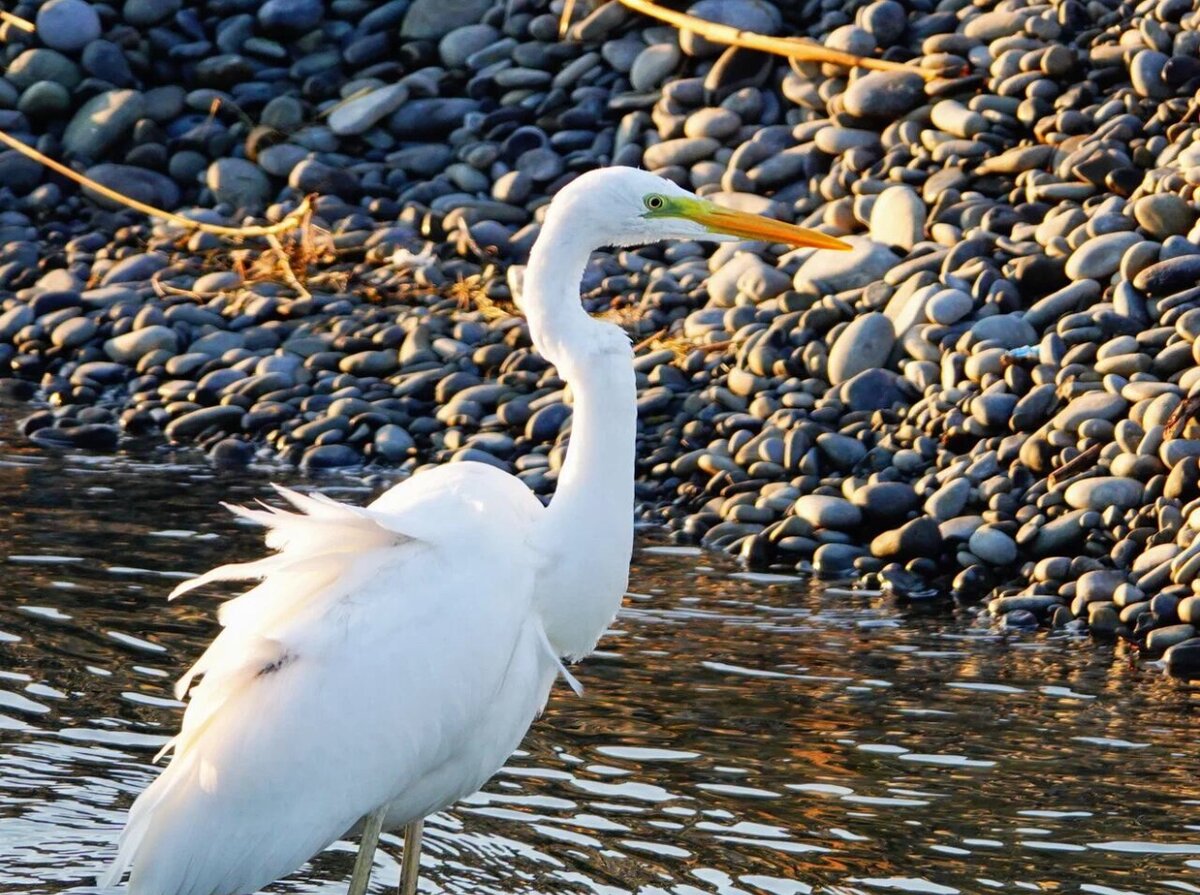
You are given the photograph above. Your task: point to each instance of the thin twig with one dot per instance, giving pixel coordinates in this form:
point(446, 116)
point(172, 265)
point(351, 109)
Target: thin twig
point(16, 21)
point(346, 100)
point(564, 21)
point(1083, 461)
point(285, 266)
point(1186, 410)
point(791, 47)
point(290, 222)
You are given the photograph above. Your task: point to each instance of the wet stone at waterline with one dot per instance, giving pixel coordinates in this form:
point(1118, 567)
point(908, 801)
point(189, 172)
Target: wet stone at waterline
point(1012, 342)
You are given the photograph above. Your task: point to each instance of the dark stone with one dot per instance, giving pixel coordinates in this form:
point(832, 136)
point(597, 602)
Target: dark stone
point(106, 61)
point(30, 424)
point(1020, 619)
point(195, 422)
point(836, 559)
point(48, 302)
point(223, 70)
point(546, 423)
point(886, 20)
point(231, 452)
point(137, 183)
point(19, 173)
point(95, 437)
point(290, 16)
point(1183, 659)
point(737, 68)
point(330, 456)
point(905, 585)
point(1183, 482)
point(920, 537)
point(874, 389)
point(17, 389)
point(430, 118)
point(312, 176)
point(1038, 275)
point(1170, 276)
point(886, 502)
point(884, 95)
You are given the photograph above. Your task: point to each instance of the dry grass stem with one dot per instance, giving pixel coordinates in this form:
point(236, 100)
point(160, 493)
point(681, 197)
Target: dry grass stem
point(344, 101)
point(16, 21)
point(564, 21)
point(285, 266)
point(291, 222)
point(791, 47)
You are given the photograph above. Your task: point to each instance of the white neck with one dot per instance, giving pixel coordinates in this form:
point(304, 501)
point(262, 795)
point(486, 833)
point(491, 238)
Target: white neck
point(588, 527)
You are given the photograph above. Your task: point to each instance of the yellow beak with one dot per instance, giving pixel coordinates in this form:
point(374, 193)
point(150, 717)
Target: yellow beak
point(753, 226)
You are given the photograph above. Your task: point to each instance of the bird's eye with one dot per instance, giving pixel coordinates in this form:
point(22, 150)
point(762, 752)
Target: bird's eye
point(655, 203)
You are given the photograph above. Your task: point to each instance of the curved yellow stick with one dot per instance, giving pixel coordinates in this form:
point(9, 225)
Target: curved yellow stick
point(791, 47)
point(16, 21)
point(291, 222)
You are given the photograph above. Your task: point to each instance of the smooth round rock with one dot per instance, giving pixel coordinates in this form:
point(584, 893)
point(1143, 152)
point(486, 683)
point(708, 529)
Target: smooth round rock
point(291, 16)
point(434, 19)
point(74, 332)
point(1104, 491)
point(1183, 659)
point(189, 425)
point(1146, 74)
point(867, 342)
point(142, 13)
point(1100, 257)
point(884, 95)
point(102, 121)
point(1164, 214)
point(67, 25)
point(874, 389)
point(1091, 405)
point(1167, 277)
point(393, 443)
point(757, 16)
point(330, 456)
point(1163, 638)
point(898, 217)
point(882, 502)
point(949, 306)
point(359, 115)
point(827, 273)
point(239, 182)
point(44, 99)
point(130, 347)
point(462, 43)
point(885, 20)
point(916, 538)
point(825, 511)
point(993, 546)
point(653, 64)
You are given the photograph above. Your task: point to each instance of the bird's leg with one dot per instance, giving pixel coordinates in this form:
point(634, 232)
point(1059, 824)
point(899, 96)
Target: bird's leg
point(410, 864)
point(372, 824)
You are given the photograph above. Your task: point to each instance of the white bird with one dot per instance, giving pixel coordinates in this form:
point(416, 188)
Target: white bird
point(392, 657)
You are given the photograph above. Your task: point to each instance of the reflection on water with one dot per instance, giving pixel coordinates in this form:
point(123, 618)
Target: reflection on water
point(738, 733)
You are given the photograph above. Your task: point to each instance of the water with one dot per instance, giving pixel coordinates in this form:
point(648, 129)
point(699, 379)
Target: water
point(738, 734)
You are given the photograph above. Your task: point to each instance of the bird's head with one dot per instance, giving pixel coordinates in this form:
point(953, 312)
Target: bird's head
point(628, 207)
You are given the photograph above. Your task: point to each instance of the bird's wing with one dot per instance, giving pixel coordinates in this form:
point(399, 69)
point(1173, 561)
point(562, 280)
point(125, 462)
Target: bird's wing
point(384, 648)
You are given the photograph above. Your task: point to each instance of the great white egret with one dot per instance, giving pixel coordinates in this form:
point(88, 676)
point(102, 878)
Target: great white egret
point(391, 657)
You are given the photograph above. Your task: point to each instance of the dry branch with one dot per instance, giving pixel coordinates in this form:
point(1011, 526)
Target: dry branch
point(291, 222)
point(16, 21)
point(792, 47)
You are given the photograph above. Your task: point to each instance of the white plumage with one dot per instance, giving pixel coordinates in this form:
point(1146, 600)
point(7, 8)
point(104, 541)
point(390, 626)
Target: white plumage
point(321, 653)
point(391, 658)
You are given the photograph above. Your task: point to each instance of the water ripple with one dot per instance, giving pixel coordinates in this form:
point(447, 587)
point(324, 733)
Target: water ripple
point(739, 734)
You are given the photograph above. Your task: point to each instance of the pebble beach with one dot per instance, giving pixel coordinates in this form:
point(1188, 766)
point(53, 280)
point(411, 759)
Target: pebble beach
point(993, 398)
